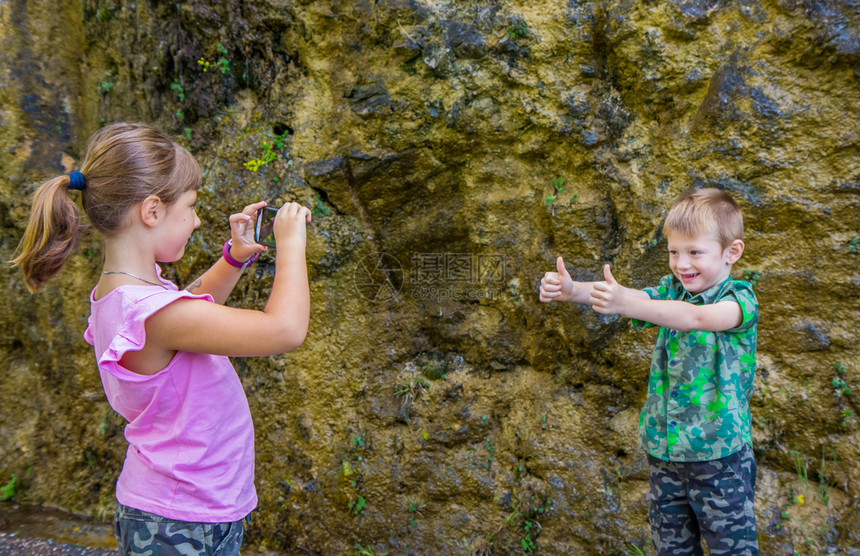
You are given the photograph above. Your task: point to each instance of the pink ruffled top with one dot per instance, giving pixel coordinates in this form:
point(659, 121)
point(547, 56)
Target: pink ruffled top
point(191, 440)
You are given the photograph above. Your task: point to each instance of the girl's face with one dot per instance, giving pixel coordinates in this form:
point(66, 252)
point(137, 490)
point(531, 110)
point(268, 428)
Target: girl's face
point(179, 223)
point(699, 262)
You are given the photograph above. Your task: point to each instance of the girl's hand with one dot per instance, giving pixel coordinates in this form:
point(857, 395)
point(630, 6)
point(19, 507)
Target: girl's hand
point(290, 224)
point(242, 231)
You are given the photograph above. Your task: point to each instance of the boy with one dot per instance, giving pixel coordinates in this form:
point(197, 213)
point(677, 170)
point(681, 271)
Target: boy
point(695, 424)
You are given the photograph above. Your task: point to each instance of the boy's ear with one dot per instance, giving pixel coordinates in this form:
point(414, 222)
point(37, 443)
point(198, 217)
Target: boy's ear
point(736, 249)
point(151, 210)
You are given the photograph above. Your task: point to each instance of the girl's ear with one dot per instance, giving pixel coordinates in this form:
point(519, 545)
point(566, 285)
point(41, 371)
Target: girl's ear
point(151, 210)
point(736, 249)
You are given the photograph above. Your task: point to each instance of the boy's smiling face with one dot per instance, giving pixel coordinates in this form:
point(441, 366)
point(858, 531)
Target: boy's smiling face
point(701, 262)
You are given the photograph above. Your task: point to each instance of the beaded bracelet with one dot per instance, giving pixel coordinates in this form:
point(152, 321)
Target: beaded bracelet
point(233, 262)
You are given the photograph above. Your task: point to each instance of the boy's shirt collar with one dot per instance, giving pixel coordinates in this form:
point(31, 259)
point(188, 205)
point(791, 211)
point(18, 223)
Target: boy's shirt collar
point(702, 298)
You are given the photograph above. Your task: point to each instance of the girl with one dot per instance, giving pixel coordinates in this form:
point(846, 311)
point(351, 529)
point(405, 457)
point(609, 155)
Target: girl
point(188, 477)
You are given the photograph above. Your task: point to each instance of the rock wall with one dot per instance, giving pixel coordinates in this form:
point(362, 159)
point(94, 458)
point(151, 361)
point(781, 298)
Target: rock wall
point(450, 151)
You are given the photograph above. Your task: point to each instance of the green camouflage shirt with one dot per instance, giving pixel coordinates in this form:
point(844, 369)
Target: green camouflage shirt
point(700, 384)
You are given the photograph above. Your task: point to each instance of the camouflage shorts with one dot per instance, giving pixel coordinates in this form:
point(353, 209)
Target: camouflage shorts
point(141, 533)
point(710, 500)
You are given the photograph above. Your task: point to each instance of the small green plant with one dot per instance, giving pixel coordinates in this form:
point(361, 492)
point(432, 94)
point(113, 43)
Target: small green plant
point(513, 515)
point(221, 49)
point(791, 500)
point(841, 386)
point(490, 457)
point(106, 85)
point(358, 506)
point(269, 152)
point(279, 139)
point(319, 208)
point(527, 543)
point(103, 14)
point(558, 188)
point(847, 416)
point(433, 370)
point(8, 490)
point(545, 508)
point(634, 550)
point(650, 243)
point(824, 478)
point(852, 245)
point(751, 276)
point(188, 133)
point(800, 466)
point(358, 441)
point(179, 90)
point(531, 525)
point(822, 493)
point(222, 64)
point(362, 551)
point(180, 115)
point(517, 30)
point(415, 508)
point(841, 389)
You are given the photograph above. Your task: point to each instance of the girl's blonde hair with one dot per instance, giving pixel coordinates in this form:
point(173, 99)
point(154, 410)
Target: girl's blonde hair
point(124, 164)
point(706, 211)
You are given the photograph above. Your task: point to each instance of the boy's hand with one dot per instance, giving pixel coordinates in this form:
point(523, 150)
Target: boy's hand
point(556, 286)
point(607, 297)
point(290, 224)
point(242, 232)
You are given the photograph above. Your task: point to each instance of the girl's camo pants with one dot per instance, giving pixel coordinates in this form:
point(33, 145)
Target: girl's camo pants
point(143, 533)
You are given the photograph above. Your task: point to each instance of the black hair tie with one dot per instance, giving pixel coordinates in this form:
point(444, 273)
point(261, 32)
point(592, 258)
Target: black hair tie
point(77, 181)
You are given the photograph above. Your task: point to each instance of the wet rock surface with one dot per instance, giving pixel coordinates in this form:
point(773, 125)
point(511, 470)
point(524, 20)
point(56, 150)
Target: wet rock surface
point(18, 546)
point(31, 530)
point(437, 406)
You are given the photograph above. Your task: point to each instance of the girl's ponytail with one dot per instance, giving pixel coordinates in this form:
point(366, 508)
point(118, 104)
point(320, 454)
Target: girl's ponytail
point(52, 232)
point(124, 164)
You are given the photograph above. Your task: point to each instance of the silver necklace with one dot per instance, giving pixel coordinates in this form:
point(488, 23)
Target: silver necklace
point(133, 276)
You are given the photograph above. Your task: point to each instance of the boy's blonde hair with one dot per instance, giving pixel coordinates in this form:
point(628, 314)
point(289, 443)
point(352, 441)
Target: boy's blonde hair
point(706, 211)
point(124, 164)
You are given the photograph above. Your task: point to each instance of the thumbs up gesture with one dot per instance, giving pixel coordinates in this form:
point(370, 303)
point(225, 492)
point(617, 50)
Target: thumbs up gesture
point(556, 286)
point(607, 273)
point(607, 297)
